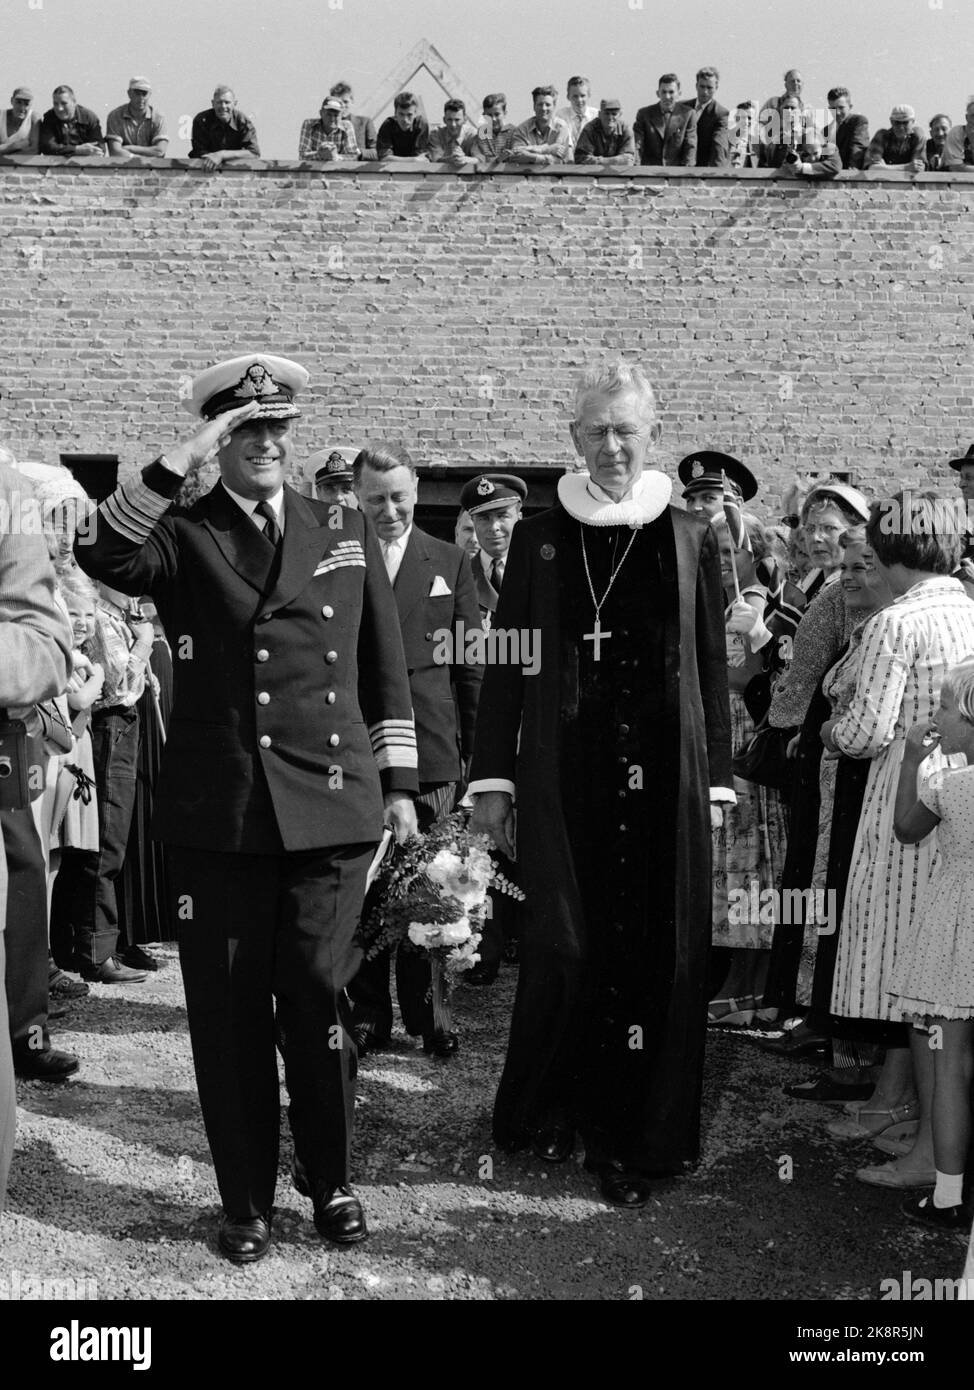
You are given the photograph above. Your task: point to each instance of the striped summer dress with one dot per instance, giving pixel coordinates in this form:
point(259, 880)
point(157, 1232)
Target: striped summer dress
point(906, 650)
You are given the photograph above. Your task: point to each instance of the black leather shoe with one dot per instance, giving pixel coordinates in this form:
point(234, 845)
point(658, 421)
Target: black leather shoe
point(623, 1187)
point(338, 1215)
point(49, 1065)
point(368, 1038)
point(112, 972)
point(138, 959)
point(553, 1144)
point(244, 1239)
point(441, 1044)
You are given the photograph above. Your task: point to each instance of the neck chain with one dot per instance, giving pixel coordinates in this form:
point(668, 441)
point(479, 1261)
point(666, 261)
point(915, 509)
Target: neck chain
point(597, 636)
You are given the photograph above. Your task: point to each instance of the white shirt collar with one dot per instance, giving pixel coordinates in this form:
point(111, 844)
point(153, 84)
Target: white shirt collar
point(587, 502)
point(400, 542)
point(249, 504)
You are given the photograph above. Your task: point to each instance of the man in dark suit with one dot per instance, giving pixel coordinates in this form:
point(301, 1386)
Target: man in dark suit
point(713, 134)
point(435, 596)
point(847, 131)
point(666, 132)
point(290, 742)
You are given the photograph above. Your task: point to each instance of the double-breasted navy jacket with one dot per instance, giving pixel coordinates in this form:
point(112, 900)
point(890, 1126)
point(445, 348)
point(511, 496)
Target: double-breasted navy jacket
point(291, 708)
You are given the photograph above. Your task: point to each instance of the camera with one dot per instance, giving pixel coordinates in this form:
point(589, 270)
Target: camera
point(14, 795)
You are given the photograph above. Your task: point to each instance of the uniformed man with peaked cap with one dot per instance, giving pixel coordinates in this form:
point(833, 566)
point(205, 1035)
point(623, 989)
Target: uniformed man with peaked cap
point(291, 741)
point(494, 502)
point(706, 474)
point(330, 471)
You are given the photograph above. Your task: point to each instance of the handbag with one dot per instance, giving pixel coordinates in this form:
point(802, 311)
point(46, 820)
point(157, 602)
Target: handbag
point(765, 760)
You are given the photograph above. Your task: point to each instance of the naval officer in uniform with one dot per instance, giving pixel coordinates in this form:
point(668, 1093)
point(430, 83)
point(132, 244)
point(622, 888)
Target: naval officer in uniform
point(291, 742)
point(493, 502)
point(330, 473)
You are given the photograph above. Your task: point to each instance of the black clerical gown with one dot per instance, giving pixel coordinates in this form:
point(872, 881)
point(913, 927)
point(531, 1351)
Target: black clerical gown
point(613, 762)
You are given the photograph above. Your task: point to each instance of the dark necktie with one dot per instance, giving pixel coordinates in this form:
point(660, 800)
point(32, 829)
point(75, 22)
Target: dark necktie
point(497, 574)
point(272, 531)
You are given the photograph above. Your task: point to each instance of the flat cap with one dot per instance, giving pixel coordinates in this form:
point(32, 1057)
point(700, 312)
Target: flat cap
point(902, 113)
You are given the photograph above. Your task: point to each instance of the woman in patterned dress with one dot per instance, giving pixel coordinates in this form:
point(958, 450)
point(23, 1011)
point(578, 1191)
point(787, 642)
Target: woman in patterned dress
point(934, 976)
point(906, 650)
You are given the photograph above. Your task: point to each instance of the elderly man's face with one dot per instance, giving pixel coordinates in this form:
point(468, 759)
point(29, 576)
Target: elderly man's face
point(841, 106)
point(668, 92)
point(939, 129)
point(706, 89)
point(388, 499)
point(64, 106)
point(494, 528)
point(329, 119)
point(223, 105)
point(453, 123)
point(255, 459)
point(615, 433)
point(497, 115)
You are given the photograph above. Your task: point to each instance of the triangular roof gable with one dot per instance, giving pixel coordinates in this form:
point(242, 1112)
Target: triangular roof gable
point(421, 55)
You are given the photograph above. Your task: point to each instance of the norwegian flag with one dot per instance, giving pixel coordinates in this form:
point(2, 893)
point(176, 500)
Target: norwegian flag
point(734, 513)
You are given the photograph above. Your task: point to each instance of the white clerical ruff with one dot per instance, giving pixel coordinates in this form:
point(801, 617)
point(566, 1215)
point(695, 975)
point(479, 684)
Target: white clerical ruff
point(584, 501)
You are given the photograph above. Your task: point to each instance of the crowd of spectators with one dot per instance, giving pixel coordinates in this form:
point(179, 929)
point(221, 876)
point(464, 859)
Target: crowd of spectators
point(786, 133)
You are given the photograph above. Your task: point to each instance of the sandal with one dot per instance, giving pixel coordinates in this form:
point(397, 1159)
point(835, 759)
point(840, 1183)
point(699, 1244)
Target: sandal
point(853, 1128)
point(898, 1139)
point(737, 1014)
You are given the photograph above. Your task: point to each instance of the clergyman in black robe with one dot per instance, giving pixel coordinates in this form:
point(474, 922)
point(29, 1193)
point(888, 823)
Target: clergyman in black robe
point(615, 751)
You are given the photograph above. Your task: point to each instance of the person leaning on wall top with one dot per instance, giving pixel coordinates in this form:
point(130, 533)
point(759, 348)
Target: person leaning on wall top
point(223, 133)
point(20, 125)
point(70, 130)
point(137, 129)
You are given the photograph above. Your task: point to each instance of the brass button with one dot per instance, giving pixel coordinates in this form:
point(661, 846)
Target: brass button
point(623, 730)
point(263, 654)
point(263, 698)
point(328, 611)
point(333, 741)
point(265, 740)
point(331, 657)
point(330, 698)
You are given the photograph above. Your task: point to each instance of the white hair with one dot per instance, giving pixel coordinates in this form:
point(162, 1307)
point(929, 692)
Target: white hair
point(606, 378)
point(959, 680)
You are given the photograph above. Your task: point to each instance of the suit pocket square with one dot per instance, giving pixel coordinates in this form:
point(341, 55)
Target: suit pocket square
point(440, 587)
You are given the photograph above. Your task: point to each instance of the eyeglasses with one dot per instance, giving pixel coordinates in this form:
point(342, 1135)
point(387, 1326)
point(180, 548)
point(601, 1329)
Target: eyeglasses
point(598, 434)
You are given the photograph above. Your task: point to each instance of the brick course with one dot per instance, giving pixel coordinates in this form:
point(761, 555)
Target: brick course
point(825, 327)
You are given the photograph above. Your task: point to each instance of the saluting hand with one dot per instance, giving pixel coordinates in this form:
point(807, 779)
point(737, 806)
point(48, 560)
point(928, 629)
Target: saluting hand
point(191, 453)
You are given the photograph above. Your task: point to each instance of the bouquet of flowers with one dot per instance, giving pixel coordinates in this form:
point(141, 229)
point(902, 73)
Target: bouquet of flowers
point(430, 894)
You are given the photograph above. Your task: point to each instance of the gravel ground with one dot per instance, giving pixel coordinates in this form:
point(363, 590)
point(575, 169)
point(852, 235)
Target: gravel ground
point(112, 1183)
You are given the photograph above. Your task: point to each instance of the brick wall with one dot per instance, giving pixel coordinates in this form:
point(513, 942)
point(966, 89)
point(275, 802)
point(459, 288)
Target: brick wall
point(821, 327)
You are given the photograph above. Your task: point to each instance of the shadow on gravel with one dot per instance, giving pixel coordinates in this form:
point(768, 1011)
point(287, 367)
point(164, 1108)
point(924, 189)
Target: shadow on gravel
point(109, 1015)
